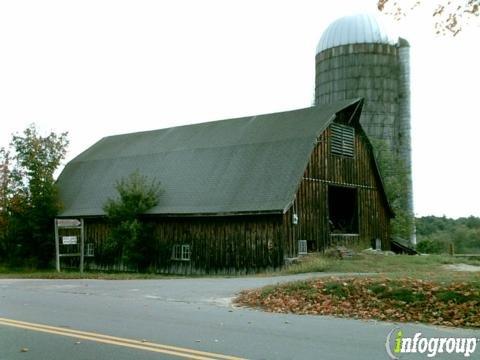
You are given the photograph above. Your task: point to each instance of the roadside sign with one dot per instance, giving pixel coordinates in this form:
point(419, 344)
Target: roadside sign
point(69, 240)
point(74, 226)
point(68, 223)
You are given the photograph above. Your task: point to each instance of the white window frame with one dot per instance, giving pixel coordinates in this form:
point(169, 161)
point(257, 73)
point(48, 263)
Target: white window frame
point(302, 247)
point(181, 252)
point(186, 252)
point(90, 249)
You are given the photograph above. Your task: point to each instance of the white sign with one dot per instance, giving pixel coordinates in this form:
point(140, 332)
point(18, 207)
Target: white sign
point(68, 222)
point(69, 240)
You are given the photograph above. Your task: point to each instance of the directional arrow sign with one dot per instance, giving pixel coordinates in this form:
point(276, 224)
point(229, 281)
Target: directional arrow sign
point(68, 222)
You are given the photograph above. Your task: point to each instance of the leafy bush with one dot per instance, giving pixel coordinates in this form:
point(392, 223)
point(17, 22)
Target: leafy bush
point(131, 240)
point(430, 247)
point(397, 181)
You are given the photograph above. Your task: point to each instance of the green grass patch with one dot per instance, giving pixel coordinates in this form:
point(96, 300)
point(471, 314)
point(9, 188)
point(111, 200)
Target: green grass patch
point(420, 266)
point(404, 295)
point(454, 296)
point(396, 291)
point(310, 263)
point(336, 289)
point(6, 273)
point(267, 291)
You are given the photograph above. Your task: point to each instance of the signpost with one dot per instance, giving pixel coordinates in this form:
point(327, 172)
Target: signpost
point(69, 240)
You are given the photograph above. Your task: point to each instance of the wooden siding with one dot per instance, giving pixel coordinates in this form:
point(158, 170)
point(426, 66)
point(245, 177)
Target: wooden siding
point(236, 245)
point(311, 204)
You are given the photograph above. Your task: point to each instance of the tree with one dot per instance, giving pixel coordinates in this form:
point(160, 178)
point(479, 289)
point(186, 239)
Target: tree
point(4, 191)
point(30, 195)
point(450, 15)
point(130, 240)
point(396, 180)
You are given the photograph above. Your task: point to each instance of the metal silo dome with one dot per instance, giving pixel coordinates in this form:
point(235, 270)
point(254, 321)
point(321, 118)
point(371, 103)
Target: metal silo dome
point(356, 29)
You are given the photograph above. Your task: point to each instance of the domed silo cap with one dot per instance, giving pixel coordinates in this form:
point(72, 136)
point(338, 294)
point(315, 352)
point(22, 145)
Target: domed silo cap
point(356, 29)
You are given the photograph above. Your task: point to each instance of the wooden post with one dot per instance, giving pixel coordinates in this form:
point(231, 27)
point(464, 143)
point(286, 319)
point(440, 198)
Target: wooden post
point(82, 246)
point(57, 247)
point(451, 250)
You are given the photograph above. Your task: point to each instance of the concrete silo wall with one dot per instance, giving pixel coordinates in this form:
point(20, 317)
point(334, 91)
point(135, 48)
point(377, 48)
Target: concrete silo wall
point(362, 70)
point(403, 146)
point(380, 73)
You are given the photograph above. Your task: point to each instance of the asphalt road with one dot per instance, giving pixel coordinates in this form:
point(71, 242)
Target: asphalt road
point(173, 318)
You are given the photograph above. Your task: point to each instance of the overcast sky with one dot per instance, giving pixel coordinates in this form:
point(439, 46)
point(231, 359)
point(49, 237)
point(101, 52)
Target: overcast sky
point(97, 68)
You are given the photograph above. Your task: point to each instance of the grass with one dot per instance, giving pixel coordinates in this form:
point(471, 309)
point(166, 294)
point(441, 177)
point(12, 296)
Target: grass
point(423, 267)
point(396, 291)
point(26, 273)
point(454, 296)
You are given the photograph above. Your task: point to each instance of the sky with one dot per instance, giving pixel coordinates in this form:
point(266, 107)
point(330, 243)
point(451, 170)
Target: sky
point(99, 68)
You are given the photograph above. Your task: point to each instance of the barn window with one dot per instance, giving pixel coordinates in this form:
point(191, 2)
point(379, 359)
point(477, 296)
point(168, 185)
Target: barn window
point(343, 140)
point(90, 250)
point(181, 252)
point(302, 247)
point(342, 210)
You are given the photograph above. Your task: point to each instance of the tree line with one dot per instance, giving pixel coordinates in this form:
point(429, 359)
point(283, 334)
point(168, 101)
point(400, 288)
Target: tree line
point(436, 234)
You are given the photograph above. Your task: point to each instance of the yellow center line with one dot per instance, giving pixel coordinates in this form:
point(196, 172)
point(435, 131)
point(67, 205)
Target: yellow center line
point(113, 340)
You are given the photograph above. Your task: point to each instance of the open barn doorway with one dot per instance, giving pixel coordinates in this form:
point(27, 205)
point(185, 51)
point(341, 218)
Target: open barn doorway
point(342, 210)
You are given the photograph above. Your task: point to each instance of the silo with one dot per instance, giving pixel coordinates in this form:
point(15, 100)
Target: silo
point(358, 57)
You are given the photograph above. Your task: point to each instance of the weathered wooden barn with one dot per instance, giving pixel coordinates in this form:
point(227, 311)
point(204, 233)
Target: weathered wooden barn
point(241, 194)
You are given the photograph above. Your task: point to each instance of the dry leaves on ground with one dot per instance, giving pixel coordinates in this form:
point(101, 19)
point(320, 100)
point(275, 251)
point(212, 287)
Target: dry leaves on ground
point(405, 300)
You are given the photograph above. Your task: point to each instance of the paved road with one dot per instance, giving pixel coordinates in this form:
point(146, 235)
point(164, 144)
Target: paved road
point(188, 314)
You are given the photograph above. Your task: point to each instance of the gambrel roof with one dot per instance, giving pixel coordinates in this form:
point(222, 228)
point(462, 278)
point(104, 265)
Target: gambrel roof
point(238, 166)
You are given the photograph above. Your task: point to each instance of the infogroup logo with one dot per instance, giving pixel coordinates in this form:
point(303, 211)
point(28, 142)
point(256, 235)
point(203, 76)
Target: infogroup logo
point(397, 344)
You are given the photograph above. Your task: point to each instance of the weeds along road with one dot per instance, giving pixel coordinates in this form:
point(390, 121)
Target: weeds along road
point(175, 319)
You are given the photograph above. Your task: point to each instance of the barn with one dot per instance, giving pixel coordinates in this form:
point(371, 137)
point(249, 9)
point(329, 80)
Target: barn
point(240, 195)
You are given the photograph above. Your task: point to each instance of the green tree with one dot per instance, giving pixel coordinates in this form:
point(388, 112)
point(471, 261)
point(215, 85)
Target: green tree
point(4, 190)
point(31, 196)
point(395, 177)
point(130, 240)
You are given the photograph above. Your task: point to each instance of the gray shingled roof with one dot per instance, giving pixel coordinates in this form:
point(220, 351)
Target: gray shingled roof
point(245, 165)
